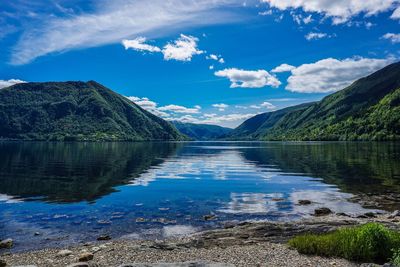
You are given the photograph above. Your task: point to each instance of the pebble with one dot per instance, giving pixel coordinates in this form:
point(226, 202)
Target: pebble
point(87, 256)
point(95, 249)
point(394, 214)
point(6, 243)
point(64, 253)
point(209, 217)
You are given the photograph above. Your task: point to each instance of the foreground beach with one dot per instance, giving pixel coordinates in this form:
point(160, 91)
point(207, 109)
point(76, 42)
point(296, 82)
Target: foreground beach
point(242, 244)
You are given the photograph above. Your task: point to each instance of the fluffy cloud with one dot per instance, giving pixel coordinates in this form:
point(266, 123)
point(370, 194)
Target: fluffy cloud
point(340, 11)
point(182, 49)
point(7, 83)
point(316, 35)
point(283, 68)
point(181, 109)
point(393, 37)
point(220, 107)
point(264, 105)
point(148, 105)
point(330, 75)
point(396, 14)
point(112, 21)
point(249, 78)
point(217, 119)
point(218, 58)
point(139, 44)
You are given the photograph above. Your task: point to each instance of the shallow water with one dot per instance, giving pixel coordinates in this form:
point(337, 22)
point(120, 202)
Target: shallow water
point(74, 192)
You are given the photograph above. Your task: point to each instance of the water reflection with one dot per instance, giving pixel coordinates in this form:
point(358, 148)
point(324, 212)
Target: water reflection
point(75, 192)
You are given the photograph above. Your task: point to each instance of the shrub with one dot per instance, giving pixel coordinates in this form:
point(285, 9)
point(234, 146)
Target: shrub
point(396, 258)
point(370, 242)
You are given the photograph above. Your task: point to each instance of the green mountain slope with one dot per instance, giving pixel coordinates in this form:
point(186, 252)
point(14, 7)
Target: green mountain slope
point(366, 110)
point(76, 111)
point(201, 131)
point(257, 126)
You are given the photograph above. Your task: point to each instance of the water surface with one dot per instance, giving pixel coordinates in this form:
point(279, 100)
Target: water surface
point(74, 192)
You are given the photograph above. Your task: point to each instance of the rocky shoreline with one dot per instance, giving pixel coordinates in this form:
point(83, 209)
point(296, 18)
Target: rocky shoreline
point(237, 244)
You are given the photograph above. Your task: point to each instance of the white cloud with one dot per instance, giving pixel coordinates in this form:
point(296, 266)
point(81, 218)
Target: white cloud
point(139, 44)
point(183, 49)
point(181, 109)
point(218, 58)
point(248, 78)
point(393, 37)
point(235, 118)
point(7, 83)
point(283, 68)
point(330, 75)
point(220, 107)
point(340, 11)
point(264, 105)
point(112, 21)
point(396, 14)
point(316, 35)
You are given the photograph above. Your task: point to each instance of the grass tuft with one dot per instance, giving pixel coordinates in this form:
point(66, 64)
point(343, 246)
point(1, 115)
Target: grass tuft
point(370, 242)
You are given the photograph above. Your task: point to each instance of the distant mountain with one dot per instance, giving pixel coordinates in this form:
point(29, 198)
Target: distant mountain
point(76, 111)
point(369, 109)
point(201, 131)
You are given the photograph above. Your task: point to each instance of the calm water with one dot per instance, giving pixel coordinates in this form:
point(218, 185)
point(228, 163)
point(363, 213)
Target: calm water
point(78, 191)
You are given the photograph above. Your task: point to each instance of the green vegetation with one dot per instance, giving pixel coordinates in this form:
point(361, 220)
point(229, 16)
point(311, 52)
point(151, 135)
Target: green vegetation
point(201, 131)
point(370, 242)
point(396, 257)
point(369, 109)
point(76, 111)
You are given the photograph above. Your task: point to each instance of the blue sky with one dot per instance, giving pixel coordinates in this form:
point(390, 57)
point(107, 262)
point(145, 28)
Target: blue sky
point(204, 61)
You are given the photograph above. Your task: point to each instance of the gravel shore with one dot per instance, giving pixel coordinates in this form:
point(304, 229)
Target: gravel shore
point(243, 244)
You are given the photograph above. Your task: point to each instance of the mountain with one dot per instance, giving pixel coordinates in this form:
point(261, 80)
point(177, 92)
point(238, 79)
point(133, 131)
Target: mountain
point(201, 131)
point(369, 109)
point(79, 111)
point(257, 126)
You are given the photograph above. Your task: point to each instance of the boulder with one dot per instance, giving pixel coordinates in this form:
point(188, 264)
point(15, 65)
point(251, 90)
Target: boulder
point(86, 256)
point(6, 243)
point(322, 211)
point(104, 238)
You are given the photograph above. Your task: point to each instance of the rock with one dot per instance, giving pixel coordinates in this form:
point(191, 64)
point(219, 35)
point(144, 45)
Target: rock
point(87, 256)
point(342, 214)
point(277, 199)
point(140, 220)
point(95, 249)
point(369, 265)
point(3, 263)
point(104, 238)
point(6, 243)
point(209, 217)
point(79, 264)
point(388, 265)
point(64, 253)
point(394, 214)
point(322, 211)
point(36, 234)
point(178, 264)
point(304, 202)
point(370, 215)
point(230, 224)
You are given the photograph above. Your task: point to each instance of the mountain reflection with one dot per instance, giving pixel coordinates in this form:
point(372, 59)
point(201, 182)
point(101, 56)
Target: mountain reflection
point(74, 172)
point(354, 167)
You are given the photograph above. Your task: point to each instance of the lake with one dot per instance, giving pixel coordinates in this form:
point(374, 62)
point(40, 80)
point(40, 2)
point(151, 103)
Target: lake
point(55, 194)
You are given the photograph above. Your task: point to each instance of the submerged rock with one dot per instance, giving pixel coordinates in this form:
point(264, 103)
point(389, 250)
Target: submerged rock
point(104, 238)
point(322, 211)
point(6, 243)
point(304, 202)
point(209, 217)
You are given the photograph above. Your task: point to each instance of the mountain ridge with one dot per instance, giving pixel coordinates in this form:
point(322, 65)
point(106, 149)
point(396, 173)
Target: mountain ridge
point(77, 111)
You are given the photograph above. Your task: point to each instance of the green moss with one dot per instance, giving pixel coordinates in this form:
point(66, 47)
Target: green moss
point(367, 243)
